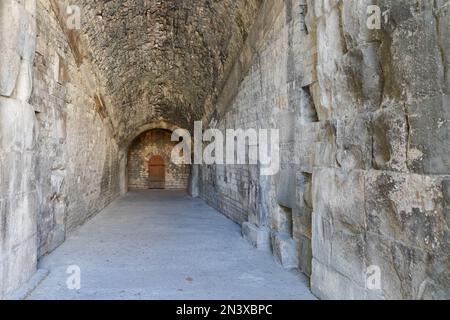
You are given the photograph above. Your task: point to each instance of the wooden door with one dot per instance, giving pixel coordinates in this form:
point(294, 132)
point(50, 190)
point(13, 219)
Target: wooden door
point(157, 173)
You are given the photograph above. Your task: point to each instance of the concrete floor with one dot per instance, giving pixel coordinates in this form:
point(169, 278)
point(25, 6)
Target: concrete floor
point(165, 245)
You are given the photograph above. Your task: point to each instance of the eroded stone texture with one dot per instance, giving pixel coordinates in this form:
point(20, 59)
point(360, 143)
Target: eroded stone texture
point(385, 93)
point(370, 150)
point(162, 59)
point(78, 157)
point(18, 130)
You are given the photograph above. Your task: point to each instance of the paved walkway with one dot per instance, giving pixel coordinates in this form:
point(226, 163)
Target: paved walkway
point(165, 245)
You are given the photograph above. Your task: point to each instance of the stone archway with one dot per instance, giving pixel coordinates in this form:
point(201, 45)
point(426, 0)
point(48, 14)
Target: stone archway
point(149, 164)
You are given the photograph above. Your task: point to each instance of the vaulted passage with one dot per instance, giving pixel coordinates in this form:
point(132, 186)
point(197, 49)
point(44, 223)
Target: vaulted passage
point(166, 245)
point(319, 128)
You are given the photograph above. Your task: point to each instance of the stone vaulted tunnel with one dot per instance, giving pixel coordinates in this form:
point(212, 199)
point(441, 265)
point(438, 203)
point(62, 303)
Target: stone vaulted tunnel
point(91, 92)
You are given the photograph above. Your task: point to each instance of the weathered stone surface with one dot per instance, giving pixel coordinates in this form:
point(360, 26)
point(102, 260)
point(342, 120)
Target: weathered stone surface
point(328, 284)
point(429, 127)
point(285, 250)
point(18, 197)
point(259, 237)
point(407, 208)
point(286, 188)
point(390, 139)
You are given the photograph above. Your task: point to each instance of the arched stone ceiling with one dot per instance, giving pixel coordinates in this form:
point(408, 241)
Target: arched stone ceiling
point(163, 58)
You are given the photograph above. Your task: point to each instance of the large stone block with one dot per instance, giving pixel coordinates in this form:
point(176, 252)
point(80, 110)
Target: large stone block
point(322, 232)
point(259, 237)
point(330, 48)
point(354, 23)
point(307, 135)
point(407, 208)
point(429, 143)
point(354, 143)
point(328, 284)
point(17, 125)
point(286, 188)
point(304, 254)
point(413, 67)
point(339, 197)
point(285, 250)
point(9, 70)
point(348, 254)
point(281, 219)
point(358, 83)
point(24, 84)
point(390, 139)
point(326, 149)
point(18, 38)
point(406, 272)
point(19, 266)
point(302, 212)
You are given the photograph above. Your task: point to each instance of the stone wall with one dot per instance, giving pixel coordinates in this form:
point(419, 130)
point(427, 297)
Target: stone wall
point(77, 157)
point(59, 160)
point(364, 120)
point(18, 130)
point(149, 144)
point(275, 69)
point(382, 163)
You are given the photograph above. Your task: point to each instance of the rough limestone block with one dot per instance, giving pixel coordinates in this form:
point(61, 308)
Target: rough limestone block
point(328, 284)
point(429, 127)
point(407, 208)
point(20, 212)
point(354, 23)
point(24, 84)
point(322, 231)
point(338, 196)
point(11, 39)
point(415, 67)
point(285, 250)
point(358, 82)
point(330, 48)
point(304, 254)
point(286, 188)
point(286, 125)
point(306, 137)
point(17, 125)
point(27, 43)
point(259, 237)
point(20, 265)
point(325, 152)
point(354, 143)
point(390, 139)
point(9, 70)
point(347, 254)
point(406, 272)
point(281, 218)
point(302, 212)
